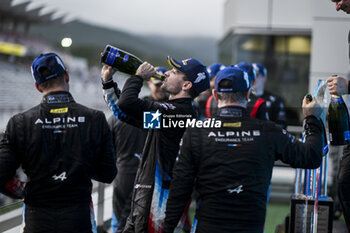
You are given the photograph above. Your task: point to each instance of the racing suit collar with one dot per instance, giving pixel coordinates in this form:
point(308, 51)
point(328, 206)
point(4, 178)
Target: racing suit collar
point(186, 101)
point(57, 97)
point(232, 111)
point(180, 100)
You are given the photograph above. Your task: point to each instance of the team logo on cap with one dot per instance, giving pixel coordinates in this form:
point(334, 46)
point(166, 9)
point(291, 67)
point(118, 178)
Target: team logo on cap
point(185, 61)
point(200, 77)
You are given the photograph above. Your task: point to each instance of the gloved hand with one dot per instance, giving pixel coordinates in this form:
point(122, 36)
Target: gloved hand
point(14, 188)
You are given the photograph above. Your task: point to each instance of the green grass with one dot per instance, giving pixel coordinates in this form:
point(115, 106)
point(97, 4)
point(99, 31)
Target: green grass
point(275, 215)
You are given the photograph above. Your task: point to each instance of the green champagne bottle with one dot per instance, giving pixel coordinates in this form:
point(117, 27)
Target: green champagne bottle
point(338, 121)
point(123, 61)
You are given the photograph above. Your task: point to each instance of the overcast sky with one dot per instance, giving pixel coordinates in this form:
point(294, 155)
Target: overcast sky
point(165, 17)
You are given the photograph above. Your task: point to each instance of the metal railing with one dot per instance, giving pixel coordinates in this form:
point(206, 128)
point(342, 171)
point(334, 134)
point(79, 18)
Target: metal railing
point(11, 217)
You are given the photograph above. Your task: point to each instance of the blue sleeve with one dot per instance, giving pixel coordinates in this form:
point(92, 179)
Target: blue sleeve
point(111, 94)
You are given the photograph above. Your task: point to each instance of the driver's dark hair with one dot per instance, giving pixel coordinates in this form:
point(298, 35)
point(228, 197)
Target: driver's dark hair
point(238, 97)
point(51, 83)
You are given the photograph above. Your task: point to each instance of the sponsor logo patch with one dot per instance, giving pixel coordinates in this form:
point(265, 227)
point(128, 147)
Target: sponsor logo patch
point(233, 124)
point(59, 110)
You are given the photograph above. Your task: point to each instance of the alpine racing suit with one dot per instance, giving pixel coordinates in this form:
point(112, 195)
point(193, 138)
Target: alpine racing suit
point(231, 169)
point(128, 143)
point(161, 148)
point(60, 145)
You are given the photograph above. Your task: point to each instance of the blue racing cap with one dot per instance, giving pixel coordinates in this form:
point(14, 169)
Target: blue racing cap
point(249, 68)
point(160, 70)
point(52, 62)
point(213, 69)
point(239, 77)
point(195, 71)
point(260, 69)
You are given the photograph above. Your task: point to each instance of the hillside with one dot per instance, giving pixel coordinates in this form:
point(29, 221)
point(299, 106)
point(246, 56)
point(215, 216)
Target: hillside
point(89, 40)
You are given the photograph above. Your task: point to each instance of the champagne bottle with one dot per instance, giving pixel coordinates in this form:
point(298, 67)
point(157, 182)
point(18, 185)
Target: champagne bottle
point(338, 121)
point(123, 61)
